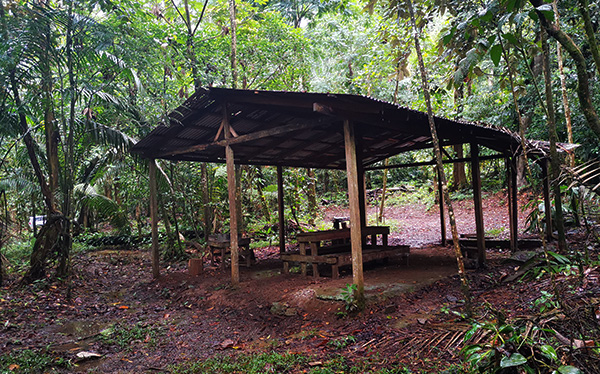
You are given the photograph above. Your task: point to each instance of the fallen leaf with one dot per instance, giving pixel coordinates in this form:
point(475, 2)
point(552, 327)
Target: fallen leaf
point(86, 354)
point(123, 307)
point(13, 367)
point(227, 343)
point(315, 363)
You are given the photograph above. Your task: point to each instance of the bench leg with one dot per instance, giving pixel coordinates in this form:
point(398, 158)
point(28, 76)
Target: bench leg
point(335, 271)
point(286, 267)
point(314, 249)
point(303, 264)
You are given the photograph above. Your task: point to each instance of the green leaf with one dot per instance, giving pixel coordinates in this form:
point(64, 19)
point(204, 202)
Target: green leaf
point(559, 258)
point(549, 352)
point(510, 38)
point(568, 369)
point(471, 332)
point(469, 350)
point(515, 359)
point(496, 54)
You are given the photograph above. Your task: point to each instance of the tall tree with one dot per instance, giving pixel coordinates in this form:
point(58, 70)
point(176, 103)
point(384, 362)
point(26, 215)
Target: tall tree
point(583, 89)
point(438, 158)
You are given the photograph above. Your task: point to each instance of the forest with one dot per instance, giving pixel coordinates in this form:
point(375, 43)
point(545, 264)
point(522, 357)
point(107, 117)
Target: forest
point(81, 82)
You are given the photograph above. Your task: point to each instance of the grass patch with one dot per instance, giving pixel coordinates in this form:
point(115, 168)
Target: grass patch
point(249, 364)
point(287, 363)
point(420, 195)
point(124, 335)
point(31, 361)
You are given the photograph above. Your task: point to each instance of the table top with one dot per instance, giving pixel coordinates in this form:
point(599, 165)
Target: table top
point(339, 233)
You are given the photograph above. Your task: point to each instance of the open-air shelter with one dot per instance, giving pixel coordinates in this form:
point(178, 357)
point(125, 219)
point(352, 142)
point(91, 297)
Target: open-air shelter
point(316, 130)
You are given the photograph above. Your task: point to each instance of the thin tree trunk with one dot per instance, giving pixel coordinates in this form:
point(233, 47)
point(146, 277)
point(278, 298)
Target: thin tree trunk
point(563, 87)
point(589, 31)
point(583, 89)
point(554, 158)
point(205, 200)
point(233, 56)
point(458, 168)
point(522, 163)
point(311, 195)
point(438, 157)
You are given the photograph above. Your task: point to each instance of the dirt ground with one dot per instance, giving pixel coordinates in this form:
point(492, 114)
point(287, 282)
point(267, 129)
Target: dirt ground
point(408, 319)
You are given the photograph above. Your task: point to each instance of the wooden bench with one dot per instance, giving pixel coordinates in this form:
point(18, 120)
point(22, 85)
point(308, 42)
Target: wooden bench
point(312, 242)
point(219, 246)
point(337, 259)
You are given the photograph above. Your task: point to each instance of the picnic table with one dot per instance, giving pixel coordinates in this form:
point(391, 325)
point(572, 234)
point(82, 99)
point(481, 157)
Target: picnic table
point(219, 245)
point(332, 247)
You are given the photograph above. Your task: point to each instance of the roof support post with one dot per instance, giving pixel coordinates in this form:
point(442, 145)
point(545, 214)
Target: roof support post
point(441, 204)
point(356, 227)
point(280, 208)
point(154, 219)
point(233, 213)
point(511, 168)
point(547, 202)
point(478, 205)
point(362, 188)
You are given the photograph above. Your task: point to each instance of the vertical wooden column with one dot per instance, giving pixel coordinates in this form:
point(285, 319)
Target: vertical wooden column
point(233, 213)
point(362, 190)
point(547, 202)
point(280, 208)
point(509, 202)
point(441, 204)
point(356, 228)
point(478, 205)
point(154, 219)
point(514, 217)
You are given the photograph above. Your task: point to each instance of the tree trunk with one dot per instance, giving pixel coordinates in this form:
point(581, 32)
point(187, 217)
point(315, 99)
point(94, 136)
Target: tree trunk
point(589, 31)
point(458, 170)
point(554, 157)
point(563, 88)
point(583, 89)
point(438, 157)
point(233, 56)
point(459, 176)
point(311, 195)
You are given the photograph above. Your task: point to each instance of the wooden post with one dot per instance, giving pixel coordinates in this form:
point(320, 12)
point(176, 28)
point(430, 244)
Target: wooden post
point(356, 228)
point(280, 208)
point(514, 214)
point(478, 205)
point(231, 187)
point(362, 190)
point(547, 202)
point(154, 220)
point(441, 204)
point(509, 202)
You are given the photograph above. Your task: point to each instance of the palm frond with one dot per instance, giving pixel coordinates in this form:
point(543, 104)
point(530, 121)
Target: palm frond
point(104, 207)
point(587, 175)
point(106, 135)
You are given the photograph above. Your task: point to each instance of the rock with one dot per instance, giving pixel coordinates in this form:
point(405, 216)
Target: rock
point(451, 298)
point(283, 309)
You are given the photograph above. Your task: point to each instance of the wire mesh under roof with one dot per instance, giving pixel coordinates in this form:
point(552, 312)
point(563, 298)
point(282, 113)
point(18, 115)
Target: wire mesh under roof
point(302, 129)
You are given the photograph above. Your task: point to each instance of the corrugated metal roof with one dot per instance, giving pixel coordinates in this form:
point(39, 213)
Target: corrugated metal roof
point(304, 129)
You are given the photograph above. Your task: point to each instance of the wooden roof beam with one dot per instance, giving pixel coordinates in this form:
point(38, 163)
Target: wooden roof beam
point(240, 139)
